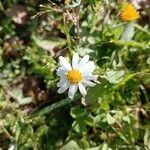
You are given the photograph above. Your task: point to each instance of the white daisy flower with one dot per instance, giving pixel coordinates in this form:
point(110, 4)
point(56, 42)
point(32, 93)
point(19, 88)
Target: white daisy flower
point(78, 75)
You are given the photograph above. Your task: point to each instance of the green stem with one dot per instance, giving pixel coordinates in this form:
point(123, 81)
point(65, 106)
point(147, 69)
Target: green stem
point(142, 29)
point(77, 11)
point(1, 7)
point(68, 40)
point(67, 36)
point(53, 107)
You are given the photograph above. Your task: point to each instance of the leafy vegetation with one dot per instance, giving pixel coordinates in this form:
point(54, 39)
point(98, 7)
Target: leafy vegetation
point(114, 115)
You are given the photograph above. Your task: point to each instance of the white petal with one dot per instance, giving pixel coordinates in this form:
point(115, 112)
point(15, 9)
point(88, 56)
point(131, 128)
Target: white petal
point(61, 82)
point(83, 61)
point(61, 71)
point(88, 83)
point(63, 88)
point(72, 90)
point(82, 89)
point(89, 67)
point(75, 61)
point(83, 101)
point(64, 63)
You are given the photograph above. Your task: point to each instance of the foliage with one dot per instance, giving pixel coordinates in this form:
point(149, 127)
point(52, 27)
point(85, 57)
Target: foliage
point(114, 114)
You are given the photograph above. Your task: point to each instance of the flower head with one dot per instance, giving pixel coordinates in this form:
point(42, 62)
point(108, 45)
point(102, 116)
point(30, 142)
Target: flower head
point(78, 75)
point(129, 13)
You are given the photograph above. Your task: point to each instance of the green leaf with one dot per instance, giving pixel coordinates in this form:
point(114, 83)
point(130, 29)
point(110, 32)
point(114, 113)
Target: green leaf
point(71, 145)
point(77, 112)
point(126, 119)
point(125, 79)
point(83, 50)
point(50, 43)
point(128, 32)
point(100, 119)
point(41, 130)
point(147, 138)
point(104, 146)
point(45, 72)
point(80, 126)
point(94, 148)
point(1, 62)
point(1, 7)
point(115, 76)
point(89, 120)
point(110, 119)
point(98, 91)
point(131, 43)
point(104, 105)
point(82, 119)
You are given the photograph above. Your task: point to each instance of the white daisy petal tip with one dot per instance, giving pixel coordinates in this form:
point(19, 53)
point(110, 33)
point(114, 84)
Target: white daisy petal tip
point(83, 101)
point(95, 78)
point(61, 71)
point(82, 89)
point(63, 88)
point(77, 75)
point(88, 83)
point(64, 63)
point(75, 61)
point(72, 90)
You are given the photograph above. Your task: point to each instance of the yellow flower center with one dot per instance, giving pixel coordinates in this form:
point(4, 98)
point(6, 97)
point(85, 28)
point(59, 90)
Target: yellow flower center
point(129, 13)
point(74, 76)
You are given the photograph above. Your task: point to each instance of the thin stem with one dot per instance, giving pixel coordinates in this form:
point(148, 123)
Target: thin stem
point(77, 11)
point(6, 132)
point(67, 35)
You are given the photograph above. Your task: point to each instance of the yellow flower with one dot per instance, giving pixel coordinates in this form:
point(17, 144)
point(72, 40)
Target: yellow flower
point(129, 13)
